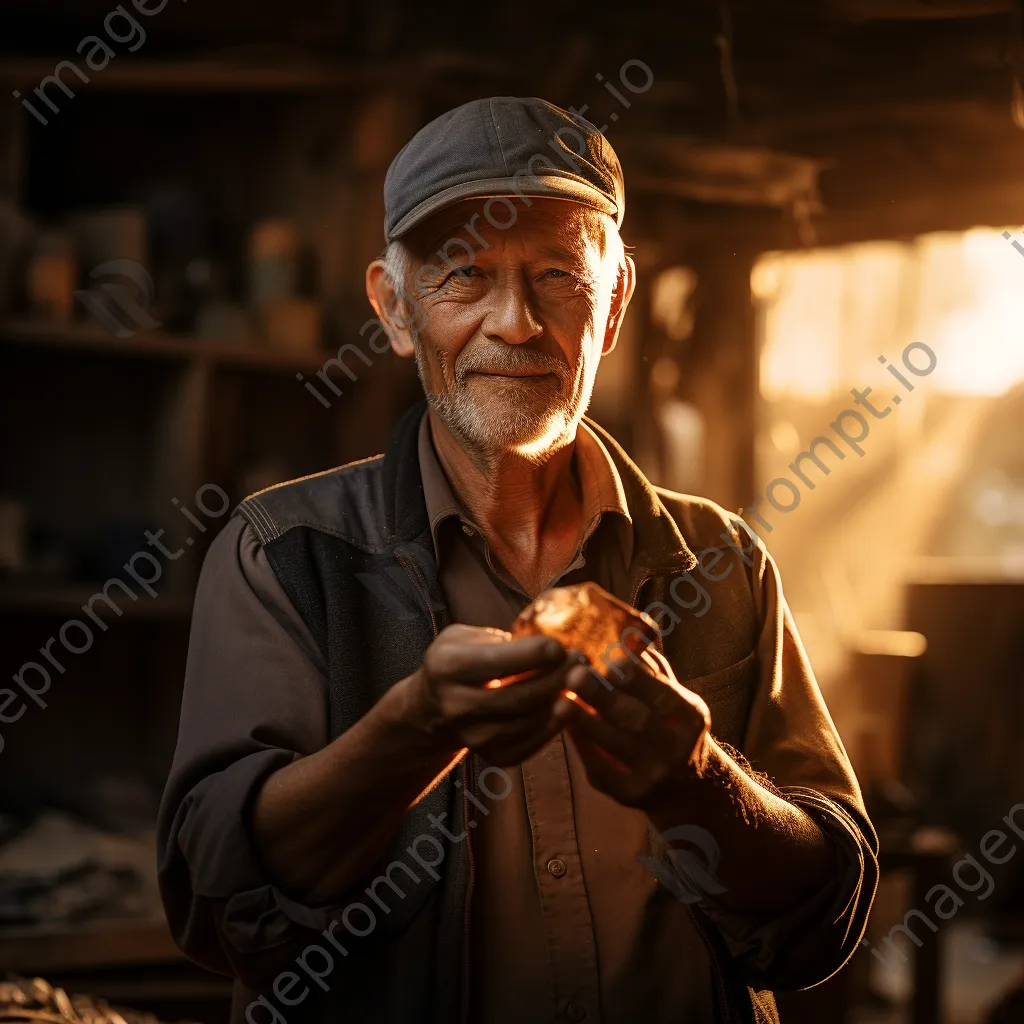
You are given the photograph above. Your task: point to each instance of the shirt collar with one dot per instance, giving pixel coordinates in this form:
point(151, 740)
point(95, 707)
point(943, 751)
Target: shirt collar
point(602, 489)
point(600, 485)
point(438, 495)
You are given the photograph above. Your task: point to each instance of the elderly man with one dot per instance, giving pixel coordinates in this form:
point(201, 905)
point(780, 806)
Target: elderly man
point(360, 823)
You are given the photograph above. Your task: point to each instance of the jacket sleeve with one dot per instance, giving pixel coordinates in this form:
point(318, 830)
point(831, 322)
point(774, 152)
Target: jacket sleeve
point(791, 746)
point(254, 700)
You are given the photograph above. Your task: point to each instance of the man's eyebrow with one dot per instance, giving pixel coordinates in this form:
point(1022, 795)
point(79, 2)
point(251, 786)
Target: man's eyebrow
point(561, 253)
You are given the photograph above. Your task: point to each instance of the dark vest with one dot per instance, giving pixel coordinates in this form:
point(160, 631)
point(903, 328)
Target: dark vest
point(353, 551)
point(332, 553)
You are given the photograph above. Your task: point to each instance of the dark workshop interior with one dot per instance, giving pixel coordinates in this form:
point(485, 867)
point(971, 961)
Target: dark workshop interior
point(822, 195)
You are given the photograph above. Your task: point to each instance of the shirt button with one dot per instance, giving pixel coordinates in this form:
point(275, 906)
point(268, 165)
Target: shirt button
point(575, 1012)
point(557, 868)
point(467, 529)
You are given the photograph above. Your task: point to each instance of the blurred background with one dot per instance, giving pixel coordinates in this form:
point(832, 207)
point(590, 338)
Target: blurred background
point(189, 194)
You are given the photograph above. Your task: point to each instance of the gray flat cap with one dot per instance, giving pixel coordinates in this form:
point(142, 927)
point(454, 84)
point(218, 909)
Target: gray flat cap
point(502, 146)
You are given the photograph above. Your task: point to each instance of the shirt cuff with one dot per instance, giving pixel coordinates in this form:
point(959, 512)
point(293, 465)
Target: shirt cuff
point(251, 914)
point(224, 865)
point(809, 943)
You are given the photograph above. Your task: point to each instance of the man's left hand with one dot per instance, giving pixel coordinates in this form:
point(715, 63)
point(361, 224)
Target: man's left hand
point(642, 738)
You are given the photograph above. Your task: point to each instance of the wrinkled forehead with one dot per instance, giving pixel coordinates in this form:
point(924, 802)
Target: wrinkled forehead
point(479, 225)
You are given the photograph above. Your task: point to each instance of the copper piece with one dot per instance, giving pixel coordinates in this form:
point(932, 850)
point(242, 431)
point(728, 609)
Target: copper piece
point(588, 618)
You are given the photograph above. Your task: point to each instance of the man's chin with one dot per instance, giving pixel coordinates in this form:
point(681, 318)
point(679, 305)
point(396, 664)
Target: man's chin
point(530, 436)
point(504, 426)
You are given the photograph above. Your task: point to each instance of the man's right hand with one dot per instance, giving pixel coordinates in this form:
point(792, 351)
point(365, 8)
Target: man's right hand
point(322, 821)
point(450, 701)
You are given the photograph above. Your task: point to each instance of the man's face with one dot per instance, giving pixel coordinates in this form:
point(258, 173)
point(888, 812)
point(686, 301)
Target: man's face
point(508, 343)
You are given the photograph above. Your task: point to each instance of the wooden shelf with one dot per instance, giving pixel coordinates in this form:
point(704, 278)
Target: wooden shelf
point(990, 569)
point(204, 76)
point(126, 425)
point(96, 944)
point(256, 73)
point(156, 344)
point(61, 600)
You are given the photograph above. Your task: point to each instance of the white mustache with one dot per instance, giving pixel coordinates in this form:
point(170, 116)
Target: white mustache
point(510, 360)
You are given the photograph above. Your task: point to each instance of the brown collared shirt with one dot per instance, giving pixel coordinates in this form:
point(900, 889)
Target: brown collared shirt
point(567, 924)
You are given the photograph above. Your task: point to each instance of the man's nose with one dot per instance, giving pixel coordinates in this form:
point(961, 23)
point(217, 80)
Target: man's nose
point(512, 318)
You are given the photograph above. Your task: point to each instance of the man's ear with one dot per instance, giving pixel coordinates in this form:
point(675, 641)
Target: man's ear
point(396, 311)
point(624, 285)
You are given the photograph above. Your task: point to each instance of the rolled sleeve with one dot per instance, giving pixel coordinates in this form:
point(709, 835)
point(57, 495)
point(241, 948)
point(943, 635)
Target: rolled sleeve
point(810, 942)
point(254, 700)
point(792, 747)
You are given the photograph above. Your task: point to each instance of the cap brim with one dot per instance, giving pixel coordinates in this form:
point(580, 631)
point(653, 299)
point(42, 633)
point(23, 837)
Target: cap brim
point(542, 186)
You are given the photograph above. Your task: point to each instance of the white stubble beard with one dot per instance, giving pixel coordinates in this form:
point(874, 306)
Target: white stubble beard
point(487, 434)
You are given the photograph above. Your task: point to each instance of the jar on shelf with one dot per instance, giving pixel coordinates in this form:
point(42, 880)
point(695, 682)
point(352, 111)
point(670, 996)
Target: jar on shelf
point(50, 277)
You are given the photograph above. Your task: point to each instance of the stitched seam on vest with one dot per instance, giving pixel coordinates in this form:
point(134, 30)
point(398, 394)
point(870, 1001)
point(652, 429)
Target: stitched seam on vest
point(267, 516)
point(319, 527)
point(257, 521)
point(276, 530)
point(269, 529)
point(248, 513)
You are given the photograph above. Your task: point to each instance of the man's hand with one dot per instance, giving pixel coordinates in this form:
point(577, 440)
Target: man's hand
point(646, 742)
point(643, 738)
point(324, 820)
point(455, 697)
